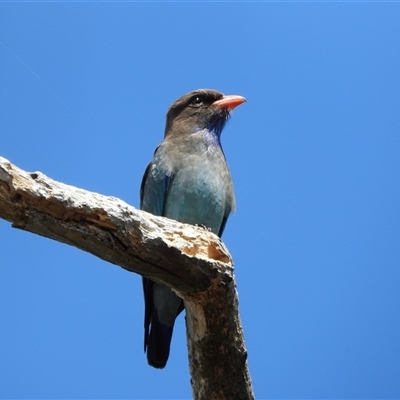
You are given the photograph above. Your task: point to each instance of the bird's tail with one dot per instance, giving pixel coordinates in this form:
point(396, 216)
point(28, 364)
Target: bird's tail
point(158, 342)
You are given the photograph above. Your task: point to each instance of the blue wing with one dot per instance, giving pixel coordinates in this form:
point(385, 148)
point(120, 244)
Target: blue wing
point(161, 305)
point(154, 188)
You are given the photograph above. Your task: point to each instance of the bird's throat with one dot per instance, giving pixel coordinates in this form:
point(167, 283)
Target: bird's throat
point(212, 138)
point(213, 132)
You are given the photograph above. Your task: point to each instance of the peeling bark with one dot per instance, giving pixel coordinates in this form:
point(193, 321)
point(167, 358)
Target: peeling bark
point(192, 261)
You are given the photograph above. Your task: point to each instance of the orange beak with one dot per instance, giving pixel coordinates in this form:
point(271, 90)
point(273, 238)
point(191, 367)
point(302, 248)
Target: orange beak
point(230, 101)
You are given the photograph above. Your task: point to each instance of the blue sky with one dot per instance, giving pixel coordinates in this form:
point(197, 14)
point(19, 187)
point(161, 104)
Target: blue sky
point(314, 156)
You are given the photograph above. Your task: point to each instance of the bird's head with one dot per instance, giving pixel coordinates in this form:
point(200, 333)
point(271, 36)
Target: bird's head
point(199, 110)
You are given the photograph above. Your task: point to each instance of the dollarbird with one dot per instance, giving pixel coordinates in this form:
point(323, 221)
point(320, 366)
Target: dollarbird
point(188, 180)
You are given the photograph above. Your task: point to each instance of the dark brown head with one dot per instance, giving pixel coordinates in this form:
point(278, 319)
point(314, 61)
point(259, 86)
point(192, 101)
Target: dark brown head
point(200, 109)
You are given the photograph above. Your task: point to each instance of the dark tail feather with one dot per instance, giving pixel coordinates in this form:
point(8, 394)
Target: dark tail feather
point(157, 336)
point(158, 343)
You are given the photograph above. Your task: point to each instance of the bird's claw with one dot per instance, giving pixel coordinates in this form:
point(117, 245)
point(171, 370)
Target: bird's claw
point(206, 228)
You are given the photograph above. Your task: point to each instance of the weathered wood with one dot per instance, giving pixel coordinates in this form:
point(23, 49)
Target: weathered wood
point(189, 259)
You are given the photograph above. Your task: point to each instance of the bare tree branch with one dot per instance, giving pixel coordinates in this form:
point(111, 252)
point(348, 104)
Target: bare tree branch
point(192, 261)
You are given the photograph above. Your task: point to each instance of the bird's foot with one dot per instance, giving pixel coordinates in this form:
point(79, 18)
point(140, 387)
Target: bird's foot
point(206, 228)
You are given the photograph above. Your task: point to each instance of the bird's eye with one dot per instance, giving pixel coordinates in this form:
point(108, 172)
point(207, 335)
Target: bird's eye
point(196, 101)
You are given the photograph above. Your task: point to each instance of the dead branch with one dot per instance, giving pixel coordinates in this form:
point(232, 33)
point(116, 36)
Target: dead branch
point(192, 261)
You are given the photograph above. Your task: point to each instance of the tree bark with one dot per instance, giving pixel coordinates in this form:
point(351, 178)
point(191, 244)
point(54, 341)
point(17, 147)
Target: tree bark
point(189, 259)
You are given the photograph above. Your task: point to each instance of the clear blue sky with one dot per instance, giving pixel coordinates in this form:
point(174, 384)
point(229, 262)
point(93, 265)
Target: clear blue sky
point(315, 159)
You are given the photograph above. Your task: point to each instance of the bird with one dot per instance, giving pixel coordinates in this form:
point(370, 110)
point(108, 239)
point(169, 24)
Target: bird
point(188, 180)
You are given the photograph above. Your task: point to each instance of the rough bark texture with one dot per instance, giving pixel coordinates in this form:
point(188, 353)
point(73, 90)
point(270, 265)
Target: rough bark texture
point(191, 260)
